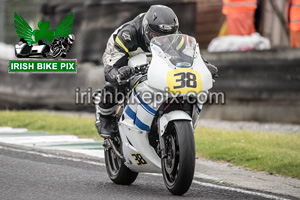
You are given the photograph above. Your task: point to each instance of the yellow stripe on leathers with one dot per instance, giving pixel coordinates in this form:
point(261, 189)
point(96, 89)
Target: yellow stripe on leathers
point(123, 46)
point(117, 112)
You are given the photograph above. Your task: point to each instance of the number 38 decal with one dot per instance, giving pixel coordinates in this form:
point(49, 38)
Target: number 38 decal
point(184, 80)
point(139, 159)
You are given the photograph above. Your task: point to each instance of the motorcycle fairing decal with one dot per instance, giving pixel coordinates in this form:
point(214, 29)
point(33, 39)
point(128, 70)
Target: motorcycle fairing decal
point(145, 106)
point(130, 112)
point(183, 80)
point(141, 125)
point(139, 159)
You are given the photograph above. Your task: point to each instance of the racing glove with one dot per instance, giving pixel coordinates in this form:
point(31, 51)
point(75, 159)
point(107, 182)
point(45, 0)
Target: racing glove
point(125, 72)
point(213, 69)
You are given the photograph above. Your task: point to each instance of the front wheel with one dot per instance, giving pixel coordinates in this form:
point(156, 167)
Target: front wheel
point(179, 165)
point(116, 169)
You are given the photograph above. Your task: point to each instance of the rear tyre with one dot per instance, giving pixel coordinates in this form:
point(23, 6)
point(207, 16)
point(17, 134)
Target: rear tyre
point(178, 168)
point(116, 169)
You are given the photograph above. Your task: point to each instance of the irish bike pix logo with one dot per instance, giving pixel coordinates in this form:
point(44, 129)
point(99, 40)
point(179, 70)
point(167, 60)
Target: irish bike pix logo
point(43, 50)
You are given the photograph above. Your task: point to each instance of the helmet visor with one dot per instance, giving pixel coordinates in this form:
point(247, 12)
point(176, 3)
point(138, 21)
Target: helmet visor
point(154, 34)
point(150, 34)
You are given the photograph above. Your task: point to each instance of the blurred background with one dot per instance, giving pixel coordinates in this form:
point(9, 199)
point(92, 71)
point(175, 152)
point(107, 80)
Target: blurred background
point(261, 80)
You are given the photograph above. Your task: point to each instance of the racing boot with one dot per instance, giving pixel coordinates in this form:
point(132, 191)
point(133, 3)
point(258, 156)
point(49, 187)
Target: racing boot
point(107, 126)
point(106, 121)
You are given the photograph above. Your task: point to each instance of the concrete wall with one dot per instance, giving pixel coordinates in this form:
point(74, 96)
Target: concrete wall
point(51, 91)
point(259, 86)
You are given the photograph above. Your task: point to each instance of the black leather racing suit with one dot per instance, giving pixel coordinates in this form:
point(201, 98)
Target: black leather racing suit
point(125, 42)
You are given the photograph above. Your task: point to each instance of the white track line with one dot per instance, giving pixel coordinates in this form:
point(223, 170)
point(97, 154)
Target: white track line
point(268, 196)
point(53, 156)
point(40, 139)
point(12, 130)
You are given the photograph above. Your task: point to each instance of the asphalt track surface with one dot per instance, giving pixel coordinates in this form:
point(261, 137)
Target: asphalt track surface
point(30, 175)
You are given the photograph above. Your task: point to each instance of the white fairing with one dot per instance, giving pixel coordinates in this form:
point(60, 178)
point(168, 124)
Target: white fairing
point(160, 66)
point(136, 121)
point(171, 116)
point(135, 128)
point(137, 60)
point(139, 144)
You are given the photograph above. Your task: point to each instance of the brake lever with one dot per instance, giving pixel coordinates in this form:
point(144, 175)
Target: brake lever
point(142, 69)
point(122, 82)
point(139, 69)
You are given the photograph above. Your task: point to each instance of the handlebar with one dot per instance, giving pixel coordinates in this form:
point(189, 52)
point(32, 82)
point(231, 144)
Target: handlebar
point(139, 69)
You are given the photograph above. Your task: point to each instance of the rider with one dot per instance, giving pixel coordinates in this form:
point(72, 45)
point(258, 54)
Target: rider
point(130, 39)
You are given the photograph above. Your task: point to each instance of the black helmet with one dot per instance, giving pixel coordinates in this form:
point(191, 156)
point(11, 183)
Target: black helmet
point(159, 20)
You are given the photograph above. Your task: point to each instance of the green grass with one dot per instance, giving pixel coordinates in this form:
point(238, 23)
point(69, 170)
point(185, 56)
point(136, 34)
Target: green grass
point(273, 153)
point(50, 123)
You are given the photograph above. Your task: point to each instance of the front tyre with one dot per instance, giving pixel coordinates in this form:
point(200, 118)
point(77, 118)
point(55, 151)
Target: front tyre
point(116, 169)
point(179, 165)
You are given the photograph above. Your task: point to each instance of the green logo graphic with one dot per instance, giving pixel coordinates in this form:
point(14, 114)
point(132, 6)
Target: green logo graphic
point(43, 43)
point(48, 43)
point(25, 31)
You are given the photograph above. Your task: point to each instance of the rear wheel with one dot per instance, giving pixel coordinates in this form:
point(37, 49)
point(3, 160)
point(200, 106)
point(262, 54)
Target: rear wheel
point(179, 165)
point(115, 167)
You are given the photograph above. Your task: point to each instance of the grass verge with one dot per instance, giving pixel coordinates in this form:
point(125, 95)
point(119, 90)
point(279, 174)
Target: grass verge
point(273, 153)
point(50, 123)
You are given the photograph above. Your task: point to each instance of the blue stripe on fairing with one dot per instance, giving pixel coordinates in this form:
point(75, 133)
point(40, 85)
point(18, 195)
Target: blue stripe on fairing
point(144, 105)
point(138, 122)
point(141, 125)
point(146, 109)
point(130, 112)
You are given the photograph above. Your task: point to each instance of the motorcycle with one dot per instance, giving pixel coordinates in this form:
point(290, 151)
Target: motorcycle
point(157, 136)
point(60, 47)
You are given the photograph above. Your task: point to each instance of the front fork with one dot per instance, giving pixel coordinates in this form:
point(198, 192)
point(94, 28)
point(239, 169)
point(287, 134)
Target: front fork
point(162, 140)
point(162, 143)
